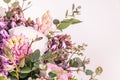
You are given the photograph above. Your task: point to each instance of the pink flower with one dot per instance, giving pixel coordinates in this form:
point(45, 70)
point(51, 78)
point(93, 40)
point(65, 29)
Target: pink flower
point(19, 47)
point(53, 66)
point(46, 24)
point(61, 73)
point(65, 76)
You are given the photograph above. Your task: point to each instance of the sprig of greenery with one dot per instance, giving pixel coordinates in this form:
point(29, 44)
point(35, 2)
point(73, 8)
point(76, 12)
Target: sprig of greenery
point(69, 19)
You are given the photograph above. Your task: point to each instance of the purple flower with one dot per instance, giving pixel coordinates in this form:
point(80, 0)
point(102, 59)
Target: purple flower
point(19, 46)
point(5, 66)
point(15, 19)
point(59, 42)
point(3, 36)
point(2, 25)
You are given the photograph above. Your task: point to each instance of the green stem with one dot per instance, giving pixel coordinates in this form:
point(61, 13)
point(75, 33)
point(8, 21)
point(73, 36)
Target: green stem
point(17, 74)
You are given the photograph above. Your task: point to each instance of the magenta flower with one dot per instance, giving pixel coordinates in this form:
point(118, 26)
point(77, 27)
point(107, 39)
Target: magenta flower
point(5, 66)
point(3, 35)
point(19, 46)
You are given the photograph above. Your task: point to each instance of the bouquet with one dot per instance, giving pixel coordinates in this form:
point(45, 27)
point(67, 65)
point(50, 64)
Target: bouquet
point(38, 49)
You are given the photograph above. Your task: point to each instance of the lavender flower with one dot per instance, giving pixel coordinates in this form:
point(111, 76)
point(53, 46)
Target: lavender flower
point(5, 66)
point(59, 42)
point(14, 18)
point(3, 35)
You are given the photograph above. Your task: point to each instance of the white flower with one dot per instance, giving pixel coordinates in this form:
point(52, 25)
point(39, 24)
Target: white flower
point(31, 34)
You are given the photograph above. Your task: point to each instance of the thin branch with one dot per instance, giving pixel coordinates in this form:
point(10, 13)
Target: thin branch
point(26, 8)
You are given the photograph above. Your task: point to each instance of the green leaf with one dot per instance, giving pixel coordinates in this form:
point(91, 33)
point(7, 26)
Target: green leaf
point(98, 70)
point(88, 72)
point(34, 68)
point(76, 62)
point(35, 56)
point(22, 63)
point(23, 75)
point(52, 75)
point(49, 57)
point(72, 21)
point(63, 25)
point(7, 1)
point(56, 21)
point(36, 64)
point(13, 74)
point(25, 70)
point(75, 21)
point(15, 4)
point(67, 22)
point(8, 53)
point(9, 14)
point(2, 78)
point(42, 66)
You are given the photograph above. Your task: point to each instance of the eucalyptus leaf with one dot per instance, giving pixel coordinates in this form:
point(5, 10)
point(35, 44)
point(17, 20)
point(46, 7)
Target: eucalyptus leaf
point(9, 14)
point(49, 57)
point(23, 75)
point(67, 22)
point(98, 70)
point(72, 21)
point(56, 21)
point(7, 1)
point(35, 56)
point(15, 4)
point(25, 70)
point(88, 72)
point(52, 75)
point(76, 62)
point(36, 64)
point(75, 21)
point(12, 74)
point(13, 78)
point(63, 25)
point(22, 63)
point(34, 68)
point(42, 66)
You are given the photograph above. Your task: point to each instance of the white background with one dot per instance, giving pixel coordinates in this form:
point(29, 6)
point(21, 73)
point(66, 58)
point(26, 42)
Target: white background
point(100, 29)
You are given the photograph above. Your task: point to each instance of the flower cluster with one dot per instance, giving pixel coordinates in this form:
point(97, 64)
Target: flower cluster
point(33, 50)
